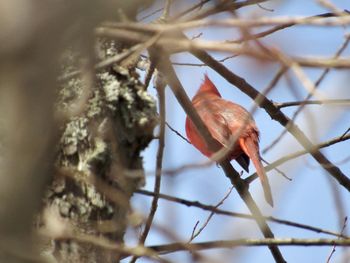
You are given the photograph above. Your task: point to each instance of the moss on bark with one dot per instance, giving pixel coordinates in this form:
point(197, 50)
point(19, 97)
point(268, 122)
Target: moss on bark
point(104, 141)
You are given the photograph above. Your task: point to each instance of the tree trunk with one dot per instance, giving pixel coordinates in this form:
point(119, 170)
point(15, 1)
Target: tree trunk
point(102, 144)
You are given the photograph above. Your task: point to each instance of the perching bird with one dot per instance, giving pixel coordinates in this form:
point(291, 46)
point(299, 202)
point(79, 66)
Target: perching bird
point(223, 118)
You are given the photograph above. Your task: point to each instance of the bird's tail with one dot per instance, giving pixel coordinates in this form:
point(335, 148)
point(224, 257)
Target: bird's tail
point(250, 146)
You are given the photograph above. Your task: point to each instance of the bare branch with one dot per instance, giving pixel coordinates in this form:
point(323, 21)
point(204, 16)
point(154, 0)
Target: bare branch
point(197, 233)
point(317, 84)
point(175, 45)
point(330, 21)
point(165, 66)
point(345, 102)
point(275, 114)
point(104, 243)
point(334, 246)
point(297, 154)
point(160, 85)
point(177, 133)
point(223, 6)
point(276, 29)
point(239, 215)
point(175, 247)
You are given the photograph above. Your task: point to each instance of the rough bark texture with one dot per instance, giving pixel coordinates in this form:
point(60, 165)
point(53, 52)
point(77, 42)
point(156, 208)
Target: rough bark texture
point(104, 141)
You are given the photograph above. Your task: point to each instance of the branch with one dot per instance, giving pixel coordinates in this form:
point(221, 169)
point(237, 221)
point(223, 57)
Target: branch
point(115, 59)
point(197, 233)
point(297, 154)
point(235, 214)
point(192, 8)
point(275, 114)
point(177, 133)
point(175, 247)
point(312, 102)
point(139, 251)
point(202, 64)
point(330, 20)
point(132, 51)
point(223, 6)
point(164, 65)
point(333, 249)
point(160, 85)
point(317, 83)
point(178, 44)
point(277, 28)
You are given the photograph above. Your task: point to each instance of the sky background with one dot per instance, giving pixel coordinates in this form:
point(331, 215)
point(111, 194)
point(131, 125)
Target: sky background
point(308, 198)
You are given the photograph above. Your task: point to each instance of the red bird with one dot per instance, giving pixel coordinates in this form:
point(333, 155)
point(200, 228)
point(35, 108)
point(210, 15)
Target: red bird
point(223, 118)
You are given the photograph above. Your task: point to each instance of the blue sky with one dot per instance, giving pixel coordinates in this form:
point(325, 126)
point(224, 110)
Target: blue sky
point(308, 198)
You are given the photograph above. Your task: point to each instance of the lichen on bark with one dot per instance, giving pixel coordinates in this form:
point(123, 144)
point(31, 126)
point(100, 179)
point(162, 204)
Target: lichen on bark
point(103, 141)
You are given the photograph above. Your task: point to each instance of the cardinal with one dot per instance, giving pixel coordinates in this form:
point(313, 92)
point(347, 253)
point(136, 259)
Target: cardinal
point(223, 119)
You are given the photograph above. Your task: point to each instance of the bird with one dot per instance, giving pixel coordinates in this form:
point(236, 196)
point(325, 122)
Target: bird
point(223, 120)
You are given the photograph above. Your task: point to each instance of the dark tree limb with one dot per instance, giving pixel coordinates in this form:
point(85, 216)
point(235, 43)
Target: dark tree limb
point(164, 65)
point(275, 114)
point(218, 211)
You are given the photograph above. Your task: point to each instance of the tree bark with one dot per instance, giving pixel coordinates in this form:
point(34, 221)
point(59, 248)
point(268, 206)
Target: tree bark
point(102, 143)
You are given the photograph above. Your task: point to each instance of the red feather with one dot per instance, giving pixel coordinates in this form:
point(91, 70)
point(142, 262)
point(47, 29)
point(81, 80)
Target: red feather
point(223, 118)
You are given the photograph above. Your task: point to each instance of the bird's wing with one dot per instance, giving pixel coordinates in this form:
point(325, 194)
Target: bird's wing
point(220, 130)
point(217, 126)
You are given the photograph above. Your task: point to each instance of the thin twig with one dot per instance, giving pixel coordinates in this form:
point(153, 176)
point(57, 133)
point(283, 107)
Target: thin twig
point(313, 102)
point(317, 84)
point(276, 29)
point(177, 133)
point(212, 208)
point(334, 246)
point(185, 167)
point(160, 85)
point(197, 233)
point(194, 229)
point(277, 170)
point(265, 8)
point(222, 6)
point(345, 133)
point(202, 64)
point(187, 11)
point(151, 14)
point(197, 36)
point(297, 154)
point(149, 74)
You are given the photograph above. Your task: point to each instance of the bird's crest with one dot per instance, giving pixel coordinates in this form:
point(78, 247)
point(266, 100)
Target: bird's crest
point(208, 87)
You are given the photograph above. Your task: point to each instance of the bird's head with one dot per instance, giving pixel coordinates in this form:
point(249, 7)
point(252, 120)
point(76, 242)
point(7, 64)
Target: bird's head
point(208, 88)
